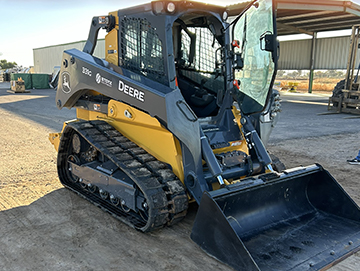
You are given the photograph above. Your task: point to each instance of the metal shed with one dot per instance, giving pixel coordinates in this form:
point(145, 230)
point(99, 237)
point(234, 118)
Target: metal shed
point(45, 58)
point(331, 54)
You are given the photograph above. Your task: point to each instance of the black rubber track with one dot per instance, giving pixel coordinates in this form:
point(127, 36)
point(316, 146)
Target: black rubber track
point(164, 193)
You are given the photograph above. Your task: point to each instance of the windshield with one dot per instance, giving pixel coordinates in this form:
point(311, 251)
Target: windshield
point(258, 66)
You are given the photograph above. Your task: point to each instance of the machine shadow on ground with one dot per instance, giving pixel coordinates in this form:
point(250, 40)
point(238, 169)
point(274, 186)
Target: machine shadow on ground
point(65, 232)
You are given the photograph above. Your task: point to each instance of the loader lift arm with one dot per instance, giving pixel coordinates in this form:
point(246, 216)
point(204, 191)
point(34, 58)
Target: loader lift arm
point(98, 22)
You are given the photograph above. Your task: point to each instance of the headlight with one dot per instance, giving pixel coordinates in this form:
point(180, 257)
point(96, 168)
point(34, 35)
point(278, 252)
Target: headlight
point(170, 7)
point(224, 16)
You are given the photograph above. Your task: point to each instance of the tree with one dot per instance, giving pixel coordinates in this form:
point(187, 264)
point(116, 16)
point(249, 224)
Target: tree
point(331, 73)
point(280, 73)
point(319, 74)
point(295, 74)
point(340, 74)
point(7, 65)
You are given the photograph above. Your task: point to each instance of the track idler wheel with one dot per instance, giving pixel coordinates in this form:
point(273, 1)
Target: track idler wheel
point(103, 194)
point(92, 188)
point(82, 184)
point(123, 206)
point(114, 200)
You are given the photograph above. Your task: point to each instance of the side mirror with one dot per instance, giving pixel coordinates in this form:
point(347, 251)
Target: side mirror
point(269, 43)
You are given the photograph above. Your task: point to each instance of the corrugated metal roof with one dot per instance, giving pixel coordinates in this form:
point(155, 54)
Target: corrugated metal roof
point(305, 16)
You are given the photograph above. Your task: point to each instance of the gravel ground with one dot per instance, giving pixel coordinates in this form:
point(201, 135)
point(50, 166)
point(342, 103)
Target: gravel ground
point(44, 226)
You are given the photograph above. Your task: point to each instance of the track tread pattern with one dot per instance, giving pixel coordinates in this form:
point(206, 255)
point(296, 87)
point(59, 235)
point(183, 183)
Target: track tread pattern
point(164, 193)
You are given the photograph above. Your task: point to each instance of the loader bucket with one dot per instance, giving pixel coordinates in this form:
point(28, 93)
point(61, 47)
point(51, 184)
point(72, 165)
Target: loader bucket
point(300, 220)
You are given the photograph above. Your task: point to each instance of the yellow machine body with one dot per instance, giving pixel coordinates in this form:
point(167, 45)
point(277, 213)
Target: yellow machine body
point(147, 133)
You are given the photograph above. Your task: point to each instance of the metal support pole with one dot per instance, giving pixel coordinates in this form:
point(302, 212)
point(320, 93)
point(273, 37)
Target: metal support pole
point(311, 79)
point(312, 62)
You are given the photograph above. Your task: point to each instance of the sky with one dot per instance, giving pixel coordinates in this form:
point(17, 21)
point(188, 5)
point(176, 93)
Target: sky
point(29, 24)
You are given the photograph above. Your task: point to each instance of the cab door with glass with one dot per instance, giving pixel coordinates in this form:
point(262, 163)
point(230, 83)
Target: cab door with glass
point(255, 48)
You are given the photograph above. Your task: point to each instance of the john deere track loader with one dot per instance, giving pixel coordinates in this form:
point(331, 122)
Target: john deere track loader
point(178, 112)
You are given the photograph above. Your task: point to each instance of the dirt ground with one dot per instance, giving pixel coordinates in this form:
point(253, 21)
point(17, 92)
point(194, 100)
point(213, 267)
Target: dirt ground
point(44, 226)
point(320, 85)
point(327, 152)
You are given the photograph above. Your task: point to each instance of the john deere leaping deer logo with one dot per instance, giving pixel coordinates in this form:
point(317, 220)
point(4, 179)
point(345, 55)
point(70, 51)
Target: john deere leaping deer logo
point(65, 82)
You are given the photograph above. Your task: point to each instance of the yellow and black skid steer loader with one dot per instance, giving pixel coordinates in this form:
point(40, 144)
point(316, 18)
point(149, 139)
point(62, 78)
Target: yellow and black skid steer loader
point(180, 110)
